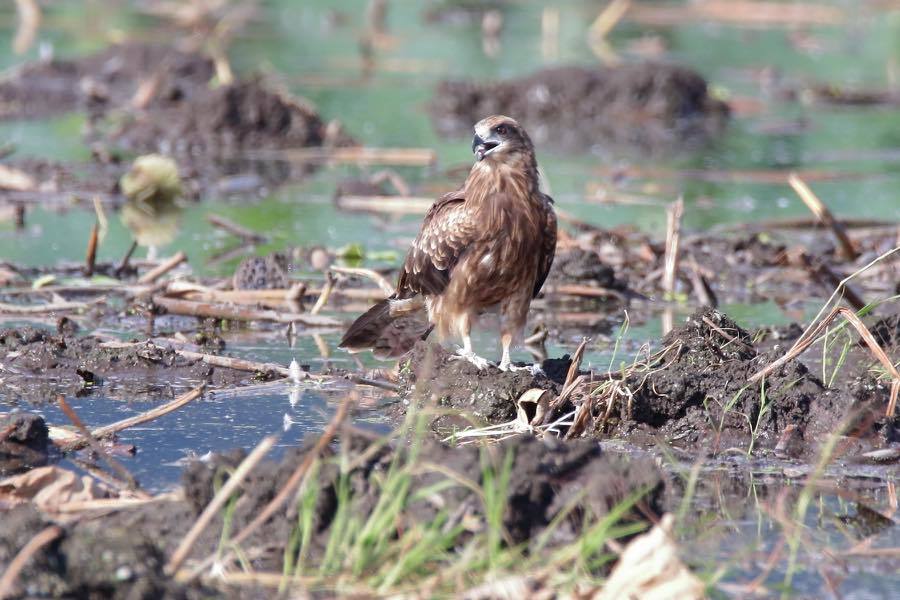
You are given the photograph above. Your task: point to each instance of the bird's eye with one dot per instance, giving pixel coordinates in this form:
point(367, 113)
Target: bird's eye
point(500, 129)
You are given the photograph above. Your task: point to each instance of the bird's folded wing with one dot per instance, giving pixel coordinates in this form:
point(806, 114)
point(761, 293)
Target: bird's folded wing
point(447, 230)
point(548, 248)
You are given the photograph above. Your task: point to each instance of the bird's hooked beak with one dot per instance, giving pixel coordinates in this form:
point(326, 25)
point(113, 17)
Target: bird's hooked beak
point(482, 147)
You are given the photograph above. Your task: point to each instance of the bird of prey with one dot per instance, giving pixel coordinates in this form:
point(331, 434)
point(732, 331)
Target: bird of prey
point(488, 245)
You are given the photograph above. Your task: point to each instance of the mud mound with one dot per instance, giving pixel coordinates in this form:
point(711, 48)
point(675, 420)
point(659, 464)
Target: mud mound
point(584, 267)
point(701, 391)
point(152, 98)
point(488, 395)
point(642, 106)
point(40, 364)
point(105, 80)
point(225, 120)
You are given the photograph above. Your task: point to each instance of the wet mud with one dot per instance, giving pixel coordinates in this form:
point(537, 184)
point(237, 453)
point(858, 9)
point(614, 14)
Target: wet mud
point(39, 364)
point(646, 107)
point(545, 478)
point(475, 397)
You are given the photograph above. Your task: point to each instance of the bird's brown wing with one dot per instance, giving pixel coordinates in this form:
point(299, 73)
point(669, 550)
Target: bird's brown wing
point(446, 232)
point(548, 247)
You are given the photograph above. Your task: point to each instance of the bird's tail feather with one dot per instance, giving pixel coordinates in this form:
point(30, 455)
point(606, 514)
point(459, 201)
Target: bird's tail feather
point(387, 335)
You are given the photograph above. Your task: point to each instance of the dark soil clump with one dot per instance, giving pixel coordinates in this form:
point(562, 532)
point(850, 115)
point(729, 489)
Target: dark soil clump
point(489, 395)
point(642, 106)
point(41, 363)
point(701, 392)
point(24, 443)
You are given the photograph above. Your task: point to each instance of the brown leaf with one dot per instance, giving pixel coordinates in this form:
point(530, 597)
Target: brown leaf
point(531, 407)
point(650, 569)
point(50, 487)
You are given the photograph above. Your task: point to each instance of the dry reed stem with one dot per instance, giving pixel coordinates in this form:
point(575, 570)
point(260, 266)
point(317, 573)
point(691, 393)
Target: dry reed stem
point(29, 22)
point(673, 236)
point(98, 449)
point(325, 295)
point(163, 268)
point(386, 286)
point(218, 501)
point(44, 537)
point(90, 258)
point(123, 264)
point(285, 492)
point(824, 215)
point(236, 313)
point(608, 18)
point(807, 339)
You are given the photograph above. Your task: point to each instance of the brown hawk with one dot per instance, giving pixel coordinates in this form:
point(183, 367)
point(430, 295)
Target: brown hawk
point(488, 245)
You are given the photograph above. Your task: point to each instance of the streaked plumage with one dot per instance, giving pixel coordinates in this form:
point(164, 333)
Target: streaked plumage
point(489, 244)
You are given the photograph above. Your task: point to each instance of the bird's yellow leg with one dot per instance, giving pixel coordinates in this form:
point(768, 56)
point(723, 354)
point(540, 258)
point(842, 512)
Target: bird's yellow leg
point(506, 342)
point(466, 352)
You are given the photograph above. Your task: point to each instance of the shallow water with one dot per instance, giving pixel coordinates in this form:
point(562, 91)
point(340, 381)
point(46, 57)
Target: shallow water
point(319, 60)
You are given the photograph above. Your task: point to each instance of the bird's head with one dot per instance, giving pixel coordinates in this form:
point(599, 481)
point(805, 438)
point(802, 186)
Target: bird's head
point(501, 139)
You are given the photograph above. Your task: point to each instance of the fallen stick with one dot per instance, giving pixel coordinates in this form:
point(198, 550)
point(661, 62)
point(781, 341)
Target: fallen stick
point(238, 364)
point(218, 501)
point(233, 228)
point(412, 157)
point(163, 268)
point(15, 309)
point(823, 273)
point(237, 313)
point(204, 294)
point(44, 537)
point(159, 411)
point(584, 291)
point(399, 205)
point(824, 215)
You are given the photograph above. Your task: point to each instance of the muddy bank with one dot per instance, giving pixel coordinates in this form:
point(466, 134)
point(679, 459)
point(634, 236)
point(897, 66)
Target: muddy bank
point(545, 477)
point(432, 375)
point(698, 393)
point(647, 107)
point(38, 364)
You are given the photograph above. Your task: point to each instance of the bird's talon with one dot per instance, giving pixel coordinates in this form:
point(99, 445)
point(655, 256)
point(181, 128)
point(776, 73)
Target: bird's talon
point(479, 362)
point(535, 370)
